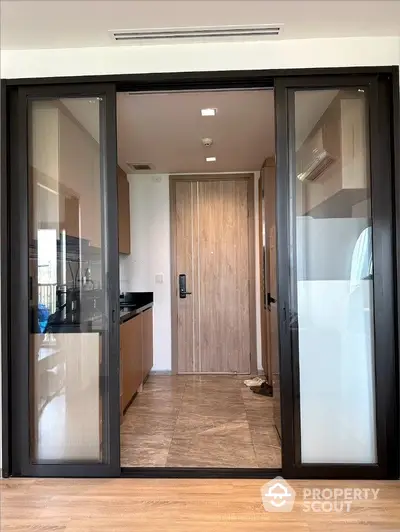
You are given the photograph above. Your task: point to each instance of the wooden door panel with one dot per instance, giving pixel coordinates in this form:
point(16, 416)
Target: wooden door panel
point(131, 354)
point(147, 341)
point(124, 350)
point(135, 352)
point(186, 241)
point(268, 176)
point(263, 271)
point(271, 283)
point(212, 249)
point(270, 217)
point(224, 277)
point(273, 313)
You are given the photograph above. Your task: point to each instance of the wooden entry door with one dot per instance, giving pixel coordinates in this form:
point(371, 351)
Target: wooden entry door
point(211, 248)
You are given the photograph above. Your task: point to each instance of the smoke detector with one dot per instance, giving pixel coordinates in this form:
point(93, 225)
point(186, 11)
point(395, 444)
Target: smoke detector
point(207, 142)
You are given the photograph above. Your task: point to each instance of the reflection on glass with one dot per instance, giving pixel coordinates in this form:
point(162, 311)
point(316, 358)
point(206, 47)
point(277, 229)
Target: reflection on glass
point(67, 293)
point(332, 261)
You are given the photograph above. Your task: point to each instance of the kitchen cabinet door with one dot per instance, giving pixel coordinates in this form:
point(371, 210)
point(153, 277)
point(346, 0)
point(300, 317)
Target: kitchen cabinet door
point(124, 240)
point(71, 215)
point(135, 353)
point(147, 342)
point(131, 358)
point(124, 381)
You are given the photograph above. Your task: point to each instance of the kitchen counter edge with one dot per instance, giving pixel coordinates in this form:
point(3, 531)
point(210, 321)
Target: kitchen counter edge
point(128, 315)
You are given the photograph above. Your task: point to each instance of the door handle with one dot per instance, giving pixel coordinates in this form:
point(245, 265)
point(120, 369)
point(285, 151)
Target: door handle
point(182, 286)
point(270, 299)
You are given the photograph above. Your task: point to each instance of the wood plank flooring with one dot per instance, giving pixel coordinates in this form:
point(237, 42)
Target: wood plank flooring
point(148, 505)
point(199, 421)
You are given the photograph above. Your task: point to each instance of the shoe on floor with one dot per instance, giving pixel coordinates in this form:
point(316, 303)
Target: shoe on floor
point(255, 381)
point(264, 389)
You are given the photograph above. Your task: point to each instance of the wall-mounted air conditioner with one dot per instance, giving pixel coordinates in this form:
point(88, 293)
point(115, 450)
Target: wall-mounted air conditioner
point(313, 157)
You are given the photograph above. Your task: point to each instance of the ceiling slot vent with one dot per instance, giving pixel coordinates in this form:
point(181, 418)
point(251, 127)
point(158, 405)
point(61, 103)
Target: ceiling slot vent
point(198, 34)
point(140, 167)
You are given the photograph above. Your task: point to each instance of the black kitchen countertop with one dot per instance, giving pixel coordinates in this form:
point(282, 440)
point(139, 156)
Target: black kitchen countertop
point(96, 325)
point(137, 303)
point(127, 313)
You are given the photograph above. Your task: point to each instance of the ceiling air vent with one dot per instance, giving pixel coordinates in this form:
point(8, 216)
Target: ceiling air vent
point(140, 167)
point(197, 34)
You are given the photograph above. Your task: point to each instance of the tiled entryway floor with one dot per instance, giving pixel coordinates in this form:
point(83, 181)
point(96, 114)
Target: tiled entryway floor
point(199, 421)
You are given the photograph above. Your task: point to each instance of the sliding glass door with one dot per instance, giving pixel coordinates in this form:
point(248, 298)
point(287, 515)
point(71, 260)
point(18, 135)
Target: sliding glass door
point(65, 283)
point(336, 289)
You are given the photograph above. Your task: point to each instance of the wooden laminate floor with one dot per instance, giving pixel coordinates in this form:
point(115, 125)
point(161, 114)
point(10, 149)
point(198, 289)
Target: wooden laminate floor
point(149, 505)
point(199, 421)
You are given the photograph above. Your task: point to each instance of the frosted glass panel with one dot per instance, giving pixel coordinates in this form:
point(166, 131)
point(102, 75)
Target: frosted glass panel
point(332, 281)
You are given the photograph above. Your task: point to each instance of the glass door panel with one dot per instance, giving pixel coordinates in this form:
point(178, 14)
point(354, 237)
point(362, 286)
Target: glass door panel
point(332, 292)
point(72, 374)
point(66, 267)
point(335, 283)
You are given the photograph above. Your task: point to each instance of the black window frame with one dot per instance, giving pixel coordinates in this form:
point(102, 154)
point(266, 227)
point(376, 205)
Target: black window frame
point(163, 82)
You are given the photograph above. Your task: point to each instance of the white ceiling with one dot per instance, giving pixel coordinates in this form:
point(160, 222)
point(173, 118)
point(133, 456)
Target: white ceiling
point(166, 129)
point(86, 111)
point(27, 24)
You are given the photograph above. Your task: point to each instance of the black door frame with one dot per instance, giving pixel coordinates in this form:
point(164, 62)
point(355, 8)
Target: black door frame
point(198, 81)
point(19, 330)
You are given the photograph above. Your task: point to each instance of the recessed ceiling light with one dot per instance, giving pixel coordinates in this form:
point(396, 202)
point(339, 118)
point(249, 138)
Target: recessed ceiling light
point(208, 112)
point(211, 159)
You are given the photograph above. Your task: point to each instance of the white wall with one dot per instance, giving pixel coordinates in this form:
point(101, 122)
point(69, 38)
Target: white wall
point(281, 54)
point(150, 255)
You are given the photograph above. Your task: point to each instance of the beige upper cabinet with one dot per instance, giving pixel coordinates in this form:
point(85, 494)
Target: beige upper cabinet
point(57, 203)
point(66, 168)
point(124, 224)
point(65, 171)
point(79, 167)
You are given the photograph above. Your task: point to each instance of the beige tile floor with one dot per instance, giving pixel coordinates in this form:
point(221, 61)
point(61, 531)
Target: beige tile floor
point(199, 421)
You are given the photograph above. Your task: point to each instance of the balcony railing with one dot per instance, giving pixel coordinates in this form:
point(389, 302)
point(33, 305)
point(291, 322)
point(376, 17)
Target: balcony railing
point(47, 296)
